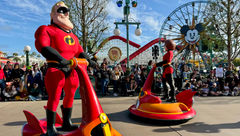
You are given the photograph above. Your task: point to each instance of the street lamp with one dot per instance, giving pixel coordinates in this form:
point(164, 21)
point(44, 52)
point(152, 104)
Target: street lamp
point(27, 49)
point(125, 21)
point(138, 31)
point(116, 31)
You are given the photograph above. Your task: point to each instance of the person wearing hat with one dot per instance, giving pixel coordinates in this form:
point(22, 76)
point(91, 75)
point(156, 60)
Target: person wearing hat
point(58, 45)
point(167, 76)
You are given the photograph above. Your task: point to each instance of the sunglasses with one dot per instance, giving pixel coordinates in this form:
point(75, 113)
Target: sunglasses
point(63, 10)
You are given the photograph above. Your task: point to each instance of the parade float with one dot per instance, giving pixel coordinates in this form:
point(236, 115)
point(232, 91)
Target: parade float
point(94, 121)
point(152, 107)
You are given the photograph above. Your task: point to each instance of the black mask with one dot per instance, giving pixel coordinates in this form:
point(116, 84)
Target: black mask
point(62, 10)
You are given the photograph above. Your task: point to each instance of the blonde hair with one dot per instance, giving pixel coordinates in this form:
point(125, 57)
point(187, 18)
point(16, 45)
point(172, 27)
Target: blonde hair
point(57, 4)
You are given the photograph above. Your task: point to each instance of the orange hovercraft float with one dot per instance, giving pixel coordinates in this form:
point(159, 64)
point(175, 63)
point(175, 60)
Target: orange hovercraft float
point(94, 121)
point(150, 106)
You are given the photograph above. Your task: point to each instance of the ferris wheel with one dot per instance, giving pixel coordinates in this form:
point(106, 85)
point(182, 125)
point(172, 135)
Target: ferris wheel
point(186, 26)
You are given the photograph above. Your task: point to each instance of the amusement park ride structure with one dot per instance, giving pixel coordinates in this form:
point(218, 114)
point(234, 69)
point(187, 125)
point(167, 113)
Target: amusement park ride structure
point(186, 25)
point(138, 55)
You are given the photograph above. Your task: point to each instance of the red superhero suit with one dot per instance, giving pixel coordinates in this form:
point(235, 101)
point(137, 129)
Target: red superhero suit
point(168, 59)
point(59, 46)
point(68, 46)
point(168, 71)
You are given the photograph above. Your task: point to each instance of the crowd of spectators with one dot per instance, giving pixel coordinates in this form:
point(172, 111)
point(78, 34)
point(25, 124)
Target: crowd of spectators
point(217, 82)
point(117, 80)
point(122, 82)
point(18, 83)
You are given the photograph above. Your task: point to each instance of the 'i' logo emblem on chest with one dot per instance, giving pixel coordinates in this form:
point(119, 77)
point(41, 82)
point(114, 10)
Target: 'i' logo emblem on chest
point(69, 40)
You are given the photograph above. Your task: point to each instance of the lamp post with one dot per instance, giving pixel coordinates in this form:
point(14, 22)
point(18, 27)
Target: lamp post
point(27, 49)
point(125, 21)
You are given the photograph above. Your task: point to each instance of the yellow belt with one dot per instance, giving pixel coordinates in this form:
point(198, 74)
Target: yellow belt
point(52, 61)
point(73, 61)
point(166, 64)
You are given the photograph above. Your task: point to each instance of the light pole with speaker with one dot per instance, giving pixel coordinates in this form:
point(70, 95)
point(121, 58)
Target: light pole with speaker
point(125, 21)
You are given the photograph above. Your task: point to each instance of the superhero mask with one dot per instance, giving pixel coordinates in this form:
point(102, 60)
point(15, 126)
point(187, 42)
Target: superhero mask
point(62, 10)
point(60, 16)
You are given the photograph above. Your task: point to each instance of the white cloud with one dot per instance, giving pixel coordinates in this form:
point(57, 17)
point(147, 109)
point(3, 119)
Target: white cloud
point(114, 11)
point(152, 23)
point(28, 6)
point(24, 4)
point(44, 3)
point(142, 40)
point(20, 16)
point(21, 13)
point(150, 20)
point(134, 15)
point(143, 6)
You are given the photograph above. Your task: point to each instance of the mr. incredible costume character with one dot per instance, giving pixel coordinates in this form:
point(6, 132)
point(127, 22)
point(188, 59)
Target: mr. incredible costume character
point(58, 45)
point(167, 76)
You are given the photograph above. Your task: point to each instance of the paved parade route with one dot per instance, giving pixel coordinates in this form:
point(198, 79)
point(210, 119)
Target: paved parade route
point(216, 116)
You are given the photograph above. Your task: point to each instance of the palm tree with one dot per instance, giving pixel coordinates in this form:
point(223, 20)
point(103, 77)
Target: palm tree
point(38, 56)
point(15, 54)
point(33, 54)
point(5, 54)
point(16, 59)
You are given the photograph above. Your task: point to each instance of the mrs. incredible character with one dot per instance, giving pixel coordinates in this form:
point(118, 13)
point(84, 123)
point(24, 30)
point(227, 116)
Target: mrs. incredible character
point(167, 76)
point(58, 45)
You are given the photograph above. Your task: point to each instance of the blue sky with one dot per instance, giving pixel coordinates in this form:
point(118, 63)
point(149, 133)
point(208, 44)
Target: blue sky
point(19, 20)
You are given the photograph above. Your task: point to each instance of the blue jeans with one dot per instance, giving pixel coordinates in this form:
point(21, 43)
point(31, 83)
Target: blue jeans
point(2, 86)
point(104, 84)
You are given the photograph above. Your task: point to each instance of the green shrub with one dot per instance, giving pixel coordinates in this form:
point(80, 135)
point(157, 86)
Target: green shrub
point(236, 62)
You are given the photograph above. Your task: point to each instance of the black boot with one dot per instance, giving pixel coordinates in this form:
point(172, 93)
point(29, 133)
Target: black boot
point(173, 97)
point(67, 123)
point(51, 117)
point(165, 97)
point(165, 90)
point(172, 91)
point(172, 100)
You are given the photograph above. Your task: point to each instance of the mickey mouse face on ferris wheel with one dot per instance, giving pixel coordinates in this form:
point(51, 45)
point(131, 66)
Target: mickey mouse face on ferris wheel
point(192, 35)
